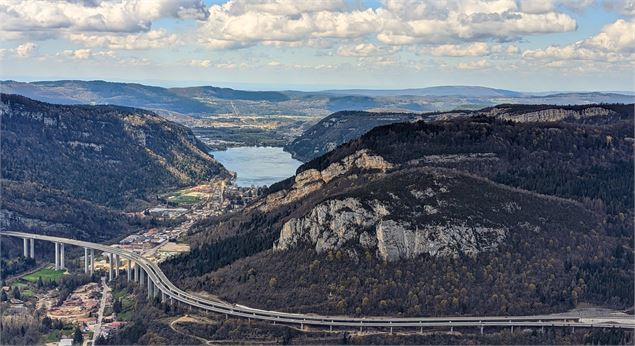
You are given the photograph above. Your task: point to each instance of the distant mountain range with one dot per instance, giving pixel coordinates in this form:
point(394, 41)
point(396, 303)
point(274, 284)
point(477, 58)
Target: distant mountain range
point(450, 90)
point(209, 100)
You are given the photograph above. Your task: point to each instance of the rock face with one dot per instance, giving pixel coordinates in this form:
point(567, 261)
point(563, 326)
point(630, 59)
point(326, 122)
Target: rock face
point(311, 180)
point(551, 114)
point(350, 224)
point(406, 213)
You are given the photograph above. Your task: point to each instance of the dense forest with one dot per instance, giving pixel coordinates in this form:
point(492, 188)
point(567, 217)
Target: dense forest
point(554, 270)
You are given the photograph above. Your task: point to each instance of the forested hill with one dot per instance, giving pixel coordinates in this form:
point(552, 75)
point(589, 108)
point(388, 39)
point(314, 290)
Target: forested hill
point(341, 127)
point(580, 161)
point(58, 158)
point(528, 217)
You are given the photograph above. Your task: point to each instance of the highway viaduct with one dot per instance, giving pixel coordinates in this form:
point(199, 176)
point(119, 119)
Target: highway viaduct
point(147, 274)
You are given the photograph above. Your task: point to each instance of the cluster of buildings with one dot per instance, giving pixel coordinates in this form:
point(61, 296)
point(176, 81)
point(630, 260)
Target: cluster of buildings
point(214, 199)
point(80, 307)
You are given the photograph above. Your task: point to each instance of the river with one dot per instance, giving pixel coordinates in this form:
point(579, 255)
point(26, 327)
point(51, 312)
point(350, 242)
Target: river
point(257, 166)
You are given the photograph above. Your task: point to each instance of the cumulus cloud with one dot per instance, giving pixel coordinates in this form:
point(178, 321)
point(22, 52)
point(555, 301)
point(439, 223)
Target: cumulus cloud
point(240, 23)
point(473, 65)
point(201, 63)
point(474, 49)
point(616, 42)
point(145, 40)
point(577, 5)
point(623, 7)
point(47, 18)
point(80, 53)
point(537, 6)
point(26, 50)
point(365, 50)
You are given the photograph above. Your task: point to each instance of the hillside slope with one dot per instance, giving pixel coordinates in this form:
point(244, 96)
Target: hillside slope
point(341, 127)
point(409, 218)
point(90, 155)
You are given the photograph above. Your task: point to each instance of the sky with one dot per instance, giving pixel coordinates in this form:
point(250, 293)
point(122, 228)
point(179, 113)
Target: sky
point(524, 45)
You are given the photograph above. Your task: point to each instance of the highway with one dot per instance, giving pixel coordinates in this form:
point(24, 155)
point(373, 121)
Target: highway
point(168, 290)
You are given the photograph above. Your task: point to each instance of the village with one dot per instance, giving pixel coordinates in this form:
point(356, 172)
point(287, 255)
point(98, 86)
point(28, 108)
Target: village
point(93, 308)
point(187, 206)
point(89, 308)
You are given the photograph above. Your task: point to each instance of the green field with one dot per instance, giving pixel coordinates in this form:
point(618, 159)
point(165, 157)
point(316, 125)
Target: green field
point(127, 303)
point(184, 199)
point(47, 274)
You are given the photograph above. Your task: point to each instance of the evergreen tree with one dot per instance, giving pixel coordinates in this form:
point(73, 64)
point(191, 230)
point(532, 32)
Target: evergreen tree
point(78, 338)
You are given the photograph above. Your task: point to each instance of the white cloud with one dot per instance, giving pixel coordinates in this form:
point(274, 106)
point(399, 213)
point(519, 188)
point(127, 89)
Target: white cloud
point(240, 23)
point(201, 63)
point(616, 42)
point(473, 65)
point(474, 49)
point(26, 50)
point(78, 54)
point(577, 5)
point(145, 40)
point(623, 7)
point(537, 6)
point(365, 49)
point(124, 16)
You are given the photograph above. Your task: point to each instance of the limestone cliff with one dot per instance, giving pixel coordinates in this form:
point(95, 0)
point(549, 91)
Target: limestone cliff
point(411, 212)
point(311, 180)
point(550, 114)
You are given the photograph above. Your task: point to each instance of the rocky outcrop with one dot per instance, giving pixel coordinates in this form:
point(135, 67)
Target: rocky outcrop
point(311, 180)
point(551, 115)
point(350, 224)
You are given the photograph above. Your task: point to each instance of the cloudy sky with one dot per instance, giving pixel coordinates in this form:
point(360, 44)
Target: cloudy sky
point(527, 45)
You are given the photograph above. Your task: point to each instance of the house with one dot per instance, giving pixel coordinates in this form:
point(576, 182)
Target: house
point(66, 342)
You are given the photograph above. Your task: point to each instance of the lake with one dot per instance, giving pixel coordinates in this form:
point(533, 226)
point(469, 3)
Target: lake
point(258, 165)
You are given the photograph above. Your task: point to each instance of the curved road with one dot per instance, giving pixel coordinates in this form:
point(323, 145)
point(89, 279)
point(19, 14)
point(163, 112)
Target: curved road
point(168, 289)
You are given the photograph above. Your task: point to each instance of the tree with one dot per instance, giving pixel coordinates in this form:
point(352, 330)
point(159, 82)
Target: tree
point(16, 292)
point(3, 296)
point(78, 338)
point(116, 306)
point(47, 323)
point(273, 282)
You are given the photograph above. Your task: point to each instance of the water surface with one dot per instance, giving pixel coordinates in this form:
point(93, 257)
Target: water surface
point(258, 166)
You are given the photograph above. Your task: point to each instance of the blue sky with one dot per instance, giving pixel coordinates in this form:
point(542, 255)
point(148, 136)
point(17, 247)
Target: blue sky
point(533, 45)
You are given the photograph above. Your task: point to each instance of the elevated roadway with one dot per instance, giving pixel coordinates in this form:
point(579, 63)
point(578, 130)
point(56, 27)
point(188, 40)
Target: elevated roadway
point(158, 284)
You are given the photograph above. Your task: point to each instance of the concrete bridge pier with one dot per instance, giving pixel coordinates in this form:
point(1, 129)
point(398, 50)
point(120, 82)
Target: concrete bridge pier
point(57, 256)
point(141, 280)
point(92, 261)
point(62, 256)
point(25, 253)
point(110, 265)
point(149, 287)
point(128, 270)
point(85, 260)
point(136, 272)
point(116, 265)
point(32, 242)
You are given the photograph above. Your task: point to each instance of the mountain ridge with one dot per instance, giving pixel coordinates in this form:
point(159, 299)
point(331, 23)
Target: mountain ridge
point(201, 101)
point(102, 157)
